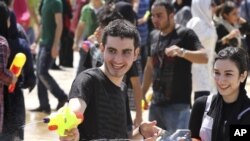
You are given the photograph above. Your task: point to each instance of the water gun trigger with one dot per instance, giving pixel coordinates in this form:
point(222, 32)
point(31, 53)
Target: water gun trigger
point(64, 119)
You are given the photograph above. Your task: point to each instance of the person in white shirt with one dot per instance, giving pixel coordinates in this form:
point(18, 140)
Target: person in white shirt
point(202, 24)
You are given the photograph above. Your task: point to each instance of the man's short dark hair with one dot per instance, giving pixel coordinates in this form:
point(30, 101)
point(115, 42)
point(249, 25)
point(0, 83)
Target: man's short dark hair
point(167, 4)
point(123, 29)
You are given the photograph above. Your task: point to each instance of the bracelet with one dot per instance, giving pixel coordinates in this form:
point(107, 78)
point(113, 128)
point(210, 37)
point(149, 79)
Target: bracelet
point(141, 132)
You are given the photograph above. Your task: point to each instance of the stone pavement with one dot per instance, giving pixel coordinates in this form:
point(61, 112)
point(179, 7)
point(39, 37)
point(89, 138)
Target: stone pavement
point(35, 130)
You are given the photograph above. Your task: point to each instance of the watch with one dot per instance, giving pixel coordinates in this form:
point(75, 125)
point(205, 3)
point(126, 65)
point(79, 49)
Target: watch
point(183, 51)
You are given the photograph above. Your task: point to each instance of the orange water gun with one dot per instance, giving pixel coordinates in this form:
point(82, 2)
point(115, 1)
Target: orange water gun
point(16, 68)
point(64, 119)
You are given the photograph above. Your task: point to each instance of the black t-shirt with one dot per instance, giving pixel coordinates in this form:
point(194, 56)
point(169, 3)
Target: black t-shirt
point(172, 75)
point(107, 115)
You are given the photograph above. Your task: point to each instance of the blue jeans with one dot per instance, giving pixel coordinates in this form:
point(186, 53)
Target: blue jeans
point(170, 117)
point(45, 80)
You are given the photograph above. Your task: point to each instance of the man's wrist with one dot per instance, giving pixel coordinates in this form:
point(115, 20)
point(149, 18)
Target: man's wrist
point(140, 132)
point(182, 53)
point(76, 41)
point(225, 40)
point(138, 114)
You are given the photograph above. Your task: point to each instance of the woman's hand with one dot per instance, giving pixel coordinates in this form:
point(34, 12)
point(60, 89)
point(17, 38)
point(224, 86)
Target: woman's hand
point(234, 33)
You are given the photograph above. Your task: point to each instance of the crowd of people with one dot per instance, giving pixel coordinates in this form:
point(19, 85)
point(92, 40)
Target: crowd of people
point(175, 47)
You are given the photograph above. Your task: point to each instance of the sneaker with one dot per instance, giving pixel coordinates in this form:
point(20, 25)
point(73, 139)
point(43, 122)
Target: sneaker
point(43, 110)
point(61, 103)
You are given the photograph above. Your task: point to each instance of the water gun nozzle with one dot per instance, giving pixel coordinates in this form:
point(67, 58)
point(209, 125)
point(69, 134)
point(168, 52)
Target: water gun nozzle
point(46, 120)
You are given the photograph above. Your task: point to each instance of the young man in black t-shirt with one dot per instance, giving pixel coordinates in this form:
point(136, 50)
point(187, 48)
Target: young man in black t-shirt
point(172, 50)
point(131, 78)
point(98, 93)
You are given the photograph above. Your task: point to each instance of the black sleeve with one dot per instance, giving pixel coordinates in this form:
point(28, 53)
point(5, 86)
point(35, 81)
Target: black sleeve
point(82, 87)
point(153, 38)
point(196, 116)
point(221, 32)
point(133, 71)
point(193, 42)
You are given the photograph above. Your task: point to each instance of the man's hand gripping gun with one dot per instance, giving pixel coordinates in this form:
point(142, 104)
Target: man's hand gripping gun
point(64, 119)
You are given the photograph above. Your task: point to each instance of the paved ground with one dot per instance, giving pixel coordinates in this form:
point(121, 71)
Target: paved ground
point(35, 130)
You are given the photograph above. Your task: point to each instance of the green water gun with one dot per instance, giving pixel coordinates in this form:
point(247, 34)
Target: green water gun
point(64, 119)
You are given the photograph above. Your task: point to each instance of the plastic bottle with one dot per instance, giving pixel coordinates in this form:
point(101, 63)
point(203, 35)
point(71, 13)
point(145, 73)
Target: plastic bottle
point(178, 135)
point(93, 49)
